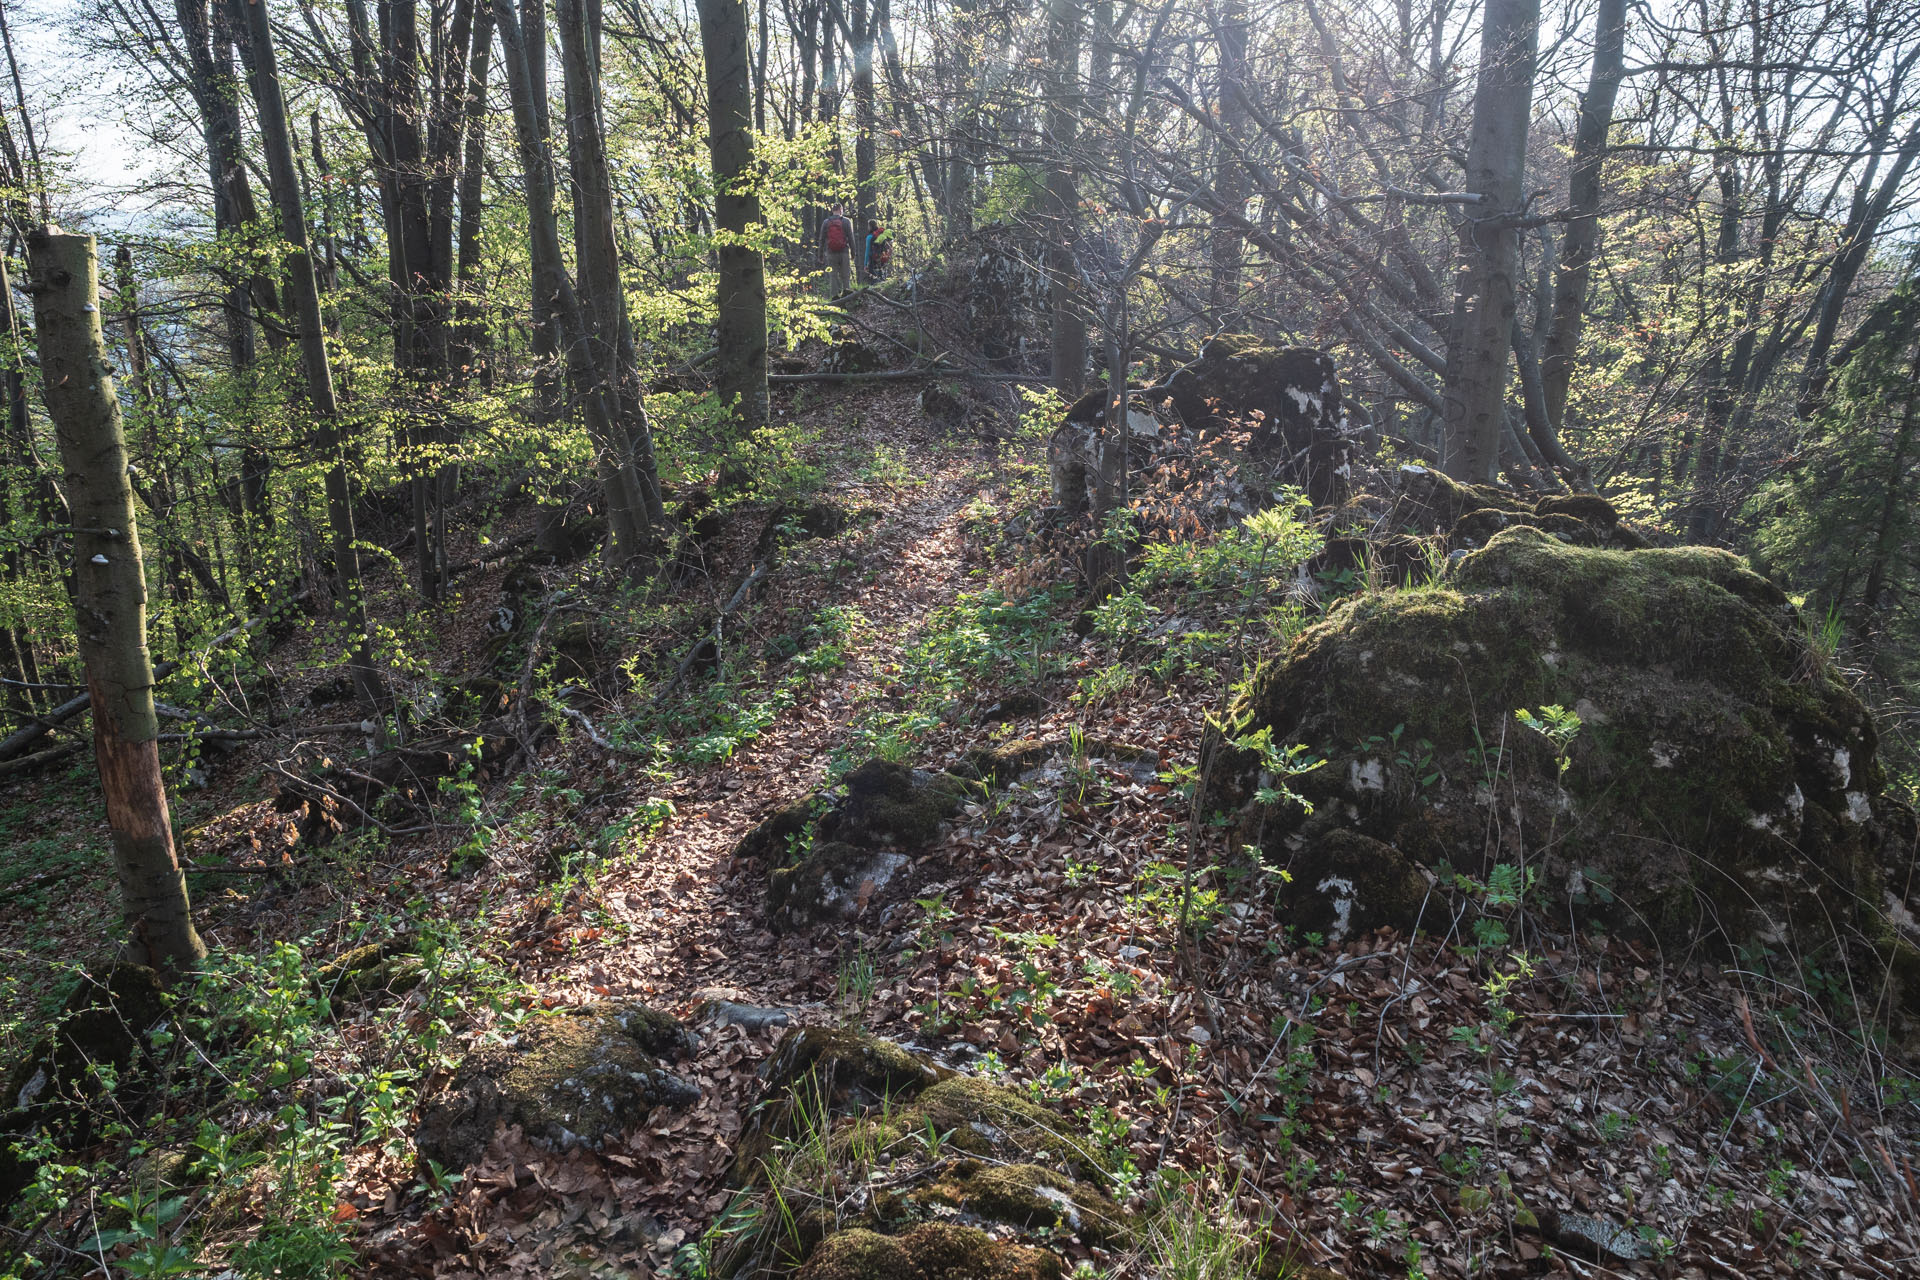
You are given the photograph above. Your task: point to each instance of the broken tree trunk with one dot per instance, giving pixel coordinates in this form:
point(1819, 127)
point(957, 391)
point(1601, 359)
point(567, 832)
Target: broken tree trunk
point(110, 598)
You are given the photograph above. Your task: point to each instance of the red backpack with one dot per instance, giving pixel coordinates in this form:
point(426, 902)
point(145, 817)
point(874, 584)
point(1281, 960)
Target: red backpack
point(836, 235)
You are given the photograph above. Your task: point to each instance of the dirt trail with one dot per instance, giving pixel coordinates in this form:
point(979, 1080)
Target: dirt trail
point(681, 916)
point(694, 919)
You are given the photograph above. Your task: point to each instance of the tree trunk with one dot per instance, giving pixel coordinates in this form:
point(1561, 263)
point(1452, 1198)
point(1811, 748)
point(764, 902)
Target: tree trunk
point(602, 296)
point(1065, 300)
point(1894, 500)
point(110, 599)
point(555, 286)
point(1583, 199)
point(741, 334)
point(276, 141)
point(470, 334)
point(1230, 181)
point(863, 128)
point(1484, 301)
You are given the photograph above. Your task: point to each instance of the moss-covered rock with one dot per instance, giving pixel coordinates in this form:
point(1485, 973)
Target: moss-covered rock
point(574, 1079)
point(374, 971)
point(861, 835)
point(1345, 884)
point(891, 804)
point(832, 882)
point(1429, 502)
point(1721, 762)
point(1286, 399)
point(983, 1119)
point(853, 1069)
point(1030, 1196)
point(930, 1251)
point(773, 835)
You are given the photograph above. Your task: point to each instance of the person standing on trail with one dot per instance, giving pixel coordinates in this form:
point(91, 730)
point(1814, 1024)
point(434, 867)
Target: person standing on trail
point(878, 251)
point(836, 248)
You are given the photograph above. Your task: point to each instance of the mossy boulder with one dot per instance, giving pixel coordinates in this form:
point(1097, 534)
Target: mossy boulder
point(1722, 772)
point(815, 1073)
point(891, 804)
point(1345, 884)
point(1030, 1196)
point(982, 1119)
point(833, 882)
point(861, 836)
point(930, 1251)
point(1287, 400)
point(371, 972)
point(1468, 516)
point(852, 1069)
point(574, 1079)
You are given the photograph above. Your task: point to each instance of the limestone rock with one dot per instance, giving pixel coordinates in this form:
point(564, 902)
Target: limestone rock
point(1286, 398)
point(1346, 884)
point(852, 1068)
point(574, 1079)
point(844, 853)
point(1724, 774)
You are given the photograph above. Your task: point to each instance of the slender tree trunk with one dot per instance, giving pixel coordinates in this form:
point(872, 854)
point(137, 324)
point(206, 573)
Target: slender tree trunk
point(1582, 239)
point(741, 334)
point(1230, 181)
point(13, 384)
point(553, 283)
point(602, 295)
point(276, 141)
point(1895, 499)
point(1484, 302)
point(864, 157)
point(470, 311)
point(760, 47)
point(110, 599)
point(1066, 300)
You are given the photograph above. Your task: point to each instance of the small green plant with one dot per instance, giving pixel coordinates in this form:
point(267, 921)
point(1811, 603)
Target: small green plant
point(856, 981)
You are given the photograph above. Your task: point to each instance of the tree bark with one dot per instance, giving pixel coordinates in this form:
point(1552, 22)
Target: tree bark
point(110, 599)
point(1583, 199)
point(276, 141)
point(863, 127)
point(1484, 300)
point(1230, 179)
point(741, 371)
point(1065, 295)
point(602, 297)
point(555, 286)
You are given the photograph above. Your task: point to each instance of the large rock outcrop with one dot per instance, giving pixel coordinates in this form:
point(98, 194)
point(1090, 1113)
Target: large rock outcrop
point(1722, 774)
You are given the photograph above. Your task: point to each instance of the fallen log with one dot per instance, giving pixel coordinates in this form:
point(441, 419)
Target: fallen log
point(52, 755)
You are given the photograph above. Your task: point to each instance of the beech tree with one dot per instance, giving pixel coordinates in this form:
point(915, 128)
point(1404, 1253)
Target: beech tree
point(276, 141)
point(109, 597)
point(740, 375)
point(1484, 300)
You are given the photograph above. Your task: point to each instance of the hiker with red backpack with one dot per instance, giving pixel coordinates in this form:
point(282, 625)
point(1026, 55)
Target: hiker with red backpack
point(879, 251)
point(836, 248)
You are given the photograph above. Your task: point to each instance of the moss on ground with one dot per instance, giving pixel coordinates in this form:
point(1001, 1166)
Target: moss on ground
point(1028, 1195)
point(932, 1251)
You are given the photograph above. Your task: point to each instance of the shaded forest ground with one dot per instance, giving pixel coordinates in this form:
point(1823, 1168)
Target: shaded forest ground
point(1382, 1107)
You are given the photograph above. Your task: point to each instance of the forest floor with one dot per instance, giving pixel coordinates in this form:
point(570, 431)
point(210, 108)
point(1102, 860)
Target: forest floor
point(1386, 1106)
